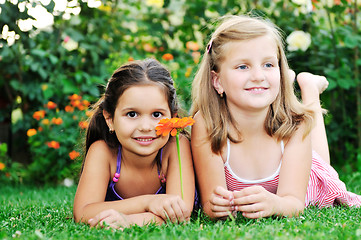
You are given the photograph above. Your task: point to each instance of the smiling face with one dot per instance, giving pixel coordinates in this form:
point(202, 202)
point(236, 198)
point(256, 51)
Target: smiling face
point(249, 74)
point(138, 112)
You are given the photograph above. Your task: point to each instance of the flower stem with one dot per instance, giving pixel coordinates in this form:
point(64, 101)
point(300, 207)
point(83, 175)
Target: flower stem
point(180, 163)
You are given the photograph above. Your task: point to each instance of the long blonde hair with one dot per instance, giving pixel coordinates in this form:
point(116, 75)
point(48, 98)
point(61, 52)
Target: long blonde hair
point(285, 113)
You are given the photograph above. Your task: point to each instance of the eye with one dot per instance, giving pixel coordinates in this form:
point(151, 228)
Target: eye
point(132, 114)
point(157, 114)
point(268, 65)
point(242, 67)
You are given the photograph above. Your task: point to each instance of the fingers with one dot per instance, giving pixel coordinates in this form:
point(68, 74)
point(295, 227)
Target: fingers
point(109, 219)
point(221, 203)
point(173, 209)
point(223, 193)
point(254, 202)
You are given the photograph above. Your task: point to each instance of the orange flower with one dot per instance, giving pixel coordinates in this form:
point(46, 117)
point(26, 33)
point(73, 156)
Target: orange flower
point(167, 57)
point(74, 154)
point(2, 166)
point(31, 132)
point(89, 113)
point(86, 103)
point(75, 97)
point(173, 125)
point(51, 105)
point(149, 48)
point(81, 107)
point(57, 121)
point(192, 46)
point(188, 72)
point(83, 124)
point(69, 109)
point(130, 59)
point(45, 121)
point(39, 114)
point(53, 144)
point(75, 103)
point(196, 56)
point(40, 129)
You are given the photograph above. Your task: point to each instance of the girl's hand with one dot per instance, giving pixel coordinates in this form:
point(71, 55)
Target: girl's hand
point(255, 202)
point(169, 207)
point(221, 202)
point(110, 218)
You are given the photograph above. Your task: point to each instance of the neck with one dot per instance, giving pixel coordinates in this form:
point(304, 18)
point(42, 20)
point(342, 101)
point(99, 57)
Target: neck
point(250, 124)
point(138, 161)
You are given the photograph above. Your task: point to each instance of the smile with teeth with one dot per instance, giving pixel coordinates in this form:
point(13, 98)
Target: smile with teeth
point(256, 89)
point(144, 139)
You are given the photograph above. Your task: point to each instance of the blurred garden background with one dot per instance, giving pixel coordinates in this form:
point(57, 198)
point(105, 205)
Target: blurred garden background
point(56, 56)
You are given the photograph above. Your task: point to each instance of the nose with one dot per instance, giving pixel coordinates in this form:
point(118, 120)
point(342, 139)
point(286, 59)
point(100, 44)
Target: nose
point(258, 74)
point(146, 125)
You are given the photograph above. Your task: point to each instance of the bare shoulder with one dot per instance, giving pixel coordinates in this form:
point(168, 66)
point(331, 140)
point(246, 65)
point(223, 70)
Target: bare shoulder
point(199, 130)
point(99, 152)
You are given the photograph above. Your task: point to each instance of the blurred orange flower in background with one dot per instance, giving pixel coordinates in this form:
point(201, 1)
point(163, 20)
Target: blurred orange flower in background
point(53, 144)
point(69, 109)
point(31, 132)
point(2, 166)
point(74, 154)
point(167, 57)
point(39, 114)
point(51, 105)
point(45, 121)
point(74, 97)
point(57, 121)
point(83, 124)
point(192, 46)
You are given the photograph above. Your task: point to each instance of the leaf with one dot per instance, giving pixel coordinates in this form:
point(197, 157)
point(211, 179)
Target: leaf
point(69, 86)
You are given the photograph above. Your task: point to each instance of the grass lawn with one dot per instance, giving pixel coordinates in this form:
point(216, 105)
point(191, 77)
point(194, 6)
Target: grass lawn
point(46, 213)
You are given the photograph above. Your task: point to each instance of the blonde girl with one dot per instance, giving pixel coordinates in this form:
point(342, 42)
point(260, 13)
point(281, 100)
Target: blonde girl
point(252, 140)
point(130, 175)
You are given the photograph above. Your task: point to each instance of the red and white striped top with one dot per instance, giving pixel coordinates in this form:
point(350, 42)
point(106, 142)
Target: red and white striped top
point(324, 187)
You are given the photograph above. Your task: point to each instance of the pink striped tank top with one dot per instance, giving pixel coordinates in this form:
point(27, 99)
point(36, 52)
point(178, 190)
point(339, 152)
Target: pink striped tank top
point(235, 183)
point(324, 187)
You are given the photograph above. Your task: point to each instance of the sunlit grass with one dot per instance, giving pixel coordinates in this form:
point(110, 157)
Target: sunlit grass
point(46, 213)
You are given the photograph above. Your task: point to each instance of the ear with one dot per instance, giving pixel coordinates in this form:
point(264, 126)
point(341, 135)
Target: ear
point(108, 119)
point(216, 82)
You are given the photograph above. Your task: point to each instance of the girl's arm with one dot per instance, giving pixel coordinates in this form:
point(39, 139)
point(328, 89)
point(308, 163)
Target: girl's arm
point(173, 175)
point(90, 195)
point(215, 198)
point(256, 202)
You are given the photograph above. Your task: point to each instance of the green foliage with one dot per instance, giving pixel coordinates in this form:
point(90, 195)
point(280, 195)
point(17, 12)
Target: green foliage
point(80, 51)
point(47, 214)
point(55, 140)
point(10, 172)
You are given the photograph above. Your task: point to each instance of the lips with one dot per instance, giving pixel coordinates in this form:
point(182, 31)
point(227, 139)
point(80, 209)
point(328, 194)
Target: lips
point(256, 89)
point(144, 139)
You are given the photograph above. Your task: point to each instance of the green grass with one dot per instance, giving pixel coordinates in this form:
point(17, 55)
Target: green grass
point(46, 213)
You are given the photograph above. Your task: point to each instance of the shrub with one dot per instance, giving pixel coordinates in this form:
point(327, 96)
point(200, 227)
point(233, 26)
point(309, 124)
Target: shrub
point(55, 140)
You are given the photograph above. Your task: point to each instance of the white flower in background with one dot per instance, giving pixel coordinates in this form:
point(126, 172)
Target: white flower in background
point(44, 19)
point(298, 40)
point(301, 2)
point(94, 3)
point(68, 182)
point(69, 44)
point(9, 36)
point(305, 6)
point(25, 25)
point(328, 3)
point(155, 3)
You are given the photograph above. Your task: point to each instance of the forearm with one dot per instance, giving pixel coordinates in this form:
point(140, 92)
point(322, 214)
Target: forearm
point(288, 206)
point(127, 206)
point(145, 218)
